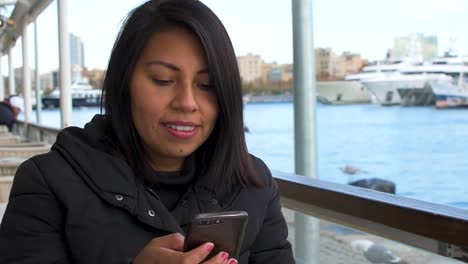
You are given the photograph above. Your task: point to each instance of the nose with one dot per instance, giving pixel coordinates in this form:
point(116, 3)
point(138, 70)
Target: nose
point(184, 98)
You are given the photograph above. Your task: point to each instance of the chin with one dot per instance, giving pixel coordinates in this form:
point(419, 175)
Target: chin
point(182, 154)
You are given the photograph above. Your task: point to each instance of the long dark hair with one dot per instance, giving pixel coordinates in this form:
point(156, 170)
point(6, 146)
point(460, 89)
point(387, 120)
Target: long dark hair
point(223, 157)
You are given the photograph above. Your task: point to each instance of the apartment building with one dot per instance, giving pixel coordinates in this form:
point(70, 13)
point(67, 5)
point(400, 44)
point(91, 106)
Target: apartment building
point(250, 68)
point(96, 77)
point(330, 66)
point(281, 73)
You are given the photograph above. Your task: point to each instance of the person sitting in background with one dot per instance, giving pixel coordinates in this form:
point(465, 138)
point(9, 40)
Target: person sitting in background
point(10, 108)
point(170, 145)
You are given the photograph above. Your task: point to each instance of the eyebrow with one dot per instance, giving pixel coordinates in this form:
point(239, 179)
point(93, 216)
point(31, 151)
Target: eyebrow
point(172, 66)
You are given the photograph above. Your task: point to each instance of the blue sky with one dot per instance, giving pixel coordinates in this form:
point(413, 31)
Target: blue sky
point(264, 27)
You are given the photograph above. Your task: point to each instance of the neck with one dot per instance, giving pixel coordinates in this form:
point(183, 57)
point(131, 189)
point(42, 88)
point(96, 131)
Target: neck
point(167, 165)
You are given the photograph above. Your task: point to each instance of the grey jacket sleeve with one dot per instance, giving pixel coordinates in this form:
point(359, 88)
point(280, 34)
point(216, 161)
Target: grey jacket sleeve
point(31, 230)
point(271, 245)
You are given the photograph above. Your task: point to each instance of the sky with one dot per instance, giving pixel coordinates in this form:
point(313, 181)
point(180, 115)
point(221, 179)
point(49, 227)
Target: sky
point(264, 27)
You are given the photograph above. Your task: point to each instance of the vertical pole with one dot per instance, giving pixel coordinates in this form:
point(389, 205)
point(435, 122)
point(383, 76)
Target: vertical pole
point(11, 72)
point(307, 228)
point(64, 58)
point(38, 77)
point(26, 73)
point(2, 81)
point(461, 77)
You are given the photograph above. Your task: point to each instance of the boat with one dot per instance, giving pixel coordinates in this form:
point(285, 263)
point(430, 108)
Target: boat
point(441, 70)
point(404, 89)
point(411, 84)
point(381, 68)
point(381, 94)
point(452, 94)
point(342, 92)
point(83, 95)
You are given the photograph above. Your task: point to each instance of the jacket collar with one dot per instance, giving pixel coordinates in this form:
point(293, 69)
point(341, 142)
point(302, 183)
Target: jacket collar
point(98, 169)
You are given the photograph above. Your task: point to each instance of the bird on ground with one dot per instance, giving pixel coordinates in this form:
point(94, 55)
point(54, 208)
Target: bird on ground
point(374, 253)
point(348, 169)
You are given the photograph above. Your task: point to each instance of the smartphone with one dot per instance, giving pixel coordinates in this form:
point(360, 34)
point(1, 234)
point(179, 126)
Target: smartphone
point(224, 229)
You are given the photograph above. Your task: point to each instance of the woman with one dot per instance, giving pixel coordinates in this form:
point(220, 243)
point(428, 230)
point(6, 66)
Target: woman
point(170, 145)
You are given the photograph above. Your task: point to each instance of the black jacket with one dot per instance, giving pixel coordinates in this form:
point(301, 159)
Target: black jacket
point(79, 204)
point(7, 117)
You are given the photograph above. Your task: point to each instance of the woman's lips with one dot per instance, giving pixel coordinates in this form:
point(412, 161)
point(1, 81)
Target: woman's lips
point(183, 130)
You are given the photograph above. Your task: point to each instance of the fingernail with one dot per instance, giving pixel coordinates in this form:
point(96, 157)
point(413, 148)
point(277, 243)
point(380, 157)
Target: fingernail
point(224, 256)
point(232, 261)
point(209, 247)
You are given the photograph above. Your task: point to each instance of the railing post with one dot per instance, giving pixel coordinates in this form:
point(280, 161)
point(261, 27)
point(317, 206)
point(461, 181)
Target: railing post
point(26, 72)
point(11, 71)
point(307, 233)
point(64, 58)
point(2, 83)
point(38, 77)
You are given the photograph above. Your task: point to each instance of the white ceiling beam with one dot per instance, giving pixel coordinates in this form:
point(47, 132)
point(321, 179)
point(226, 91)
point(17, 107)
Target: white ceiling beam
point(7, 2)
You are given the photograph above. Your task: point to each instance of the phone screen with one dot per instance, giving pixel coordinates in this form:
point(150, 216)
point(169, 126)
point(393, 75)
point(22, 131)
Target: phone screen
point(225, 230)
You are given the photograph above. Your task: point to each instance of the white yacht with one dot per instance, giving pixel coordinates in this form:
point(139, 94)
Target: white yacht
point(402, 88)
point(453, 93)
point(380, 69)
point(382, 94)
point(438, 71)
point(342, 92)
point(411, 84)
point(83, 95)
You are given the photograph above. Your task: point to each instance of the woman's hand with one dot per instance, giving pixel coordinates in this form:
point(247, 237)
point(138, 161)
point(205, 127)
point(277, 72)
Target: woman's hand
point(169, 250)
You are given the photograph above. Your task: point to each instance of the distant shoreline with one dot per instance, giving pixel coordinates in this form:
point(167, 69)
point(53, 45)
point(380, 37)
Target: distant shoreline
point(268, 98)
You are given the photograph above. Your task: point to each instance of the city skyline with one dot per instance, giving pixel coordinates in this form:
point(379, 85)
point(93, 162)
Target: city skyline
point(361, 26)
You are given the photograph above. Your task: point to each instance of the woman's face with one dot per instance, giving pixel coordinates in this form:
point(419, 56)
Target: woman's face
point(174, 106)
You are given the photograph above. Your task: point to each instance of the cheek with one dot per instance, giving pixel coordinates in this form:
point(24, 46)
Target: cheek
point(213, 108)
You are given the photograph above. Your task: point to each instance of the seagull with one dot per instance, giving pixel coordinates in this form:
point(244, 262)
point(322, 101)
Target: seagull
point(348, 169)
point(374, 253)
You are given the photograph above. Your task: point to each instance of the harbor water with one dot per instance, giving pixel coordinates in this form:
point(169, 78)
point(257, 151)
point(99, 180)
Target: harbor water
point(423, 150)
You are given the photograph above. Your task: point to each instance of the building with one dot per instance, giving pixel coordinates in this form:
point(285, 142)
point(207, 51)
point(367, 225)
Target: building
point(267, 68)
point(327, 64)
point(96, 77)
point(48, 82)
point(352, 63)
point(250, 68)
point(19, 79)
point(415, 46)
point(330, 66)
point(76, 51)
point(281, 73)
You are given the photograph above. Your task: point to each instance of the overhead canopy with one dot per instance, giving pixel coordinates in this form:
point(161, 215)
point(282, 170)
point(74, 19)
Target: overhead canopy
point(13, 15)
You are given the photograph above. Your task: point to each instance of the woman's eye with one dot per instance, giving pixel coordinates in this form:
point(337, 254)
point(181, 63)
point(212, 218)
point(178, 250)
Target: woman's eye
point(161, 82)
point(206, 86)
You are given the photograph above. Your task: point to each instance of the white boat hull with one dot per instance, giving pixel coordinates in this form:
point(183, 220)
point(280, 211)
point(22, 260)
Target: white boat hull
point(342, 92)
point(83, 95)
point(384, 93)
point(406, 90)
point(449, 95)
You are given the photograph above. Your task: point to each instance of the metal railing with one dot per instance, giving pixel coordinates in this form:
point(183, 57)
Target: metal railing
point(436, 228)
point(36, 133)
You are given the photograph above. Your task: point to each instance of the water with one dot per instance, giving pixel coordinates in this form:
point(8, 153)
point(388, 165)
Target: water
point(421, 149)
